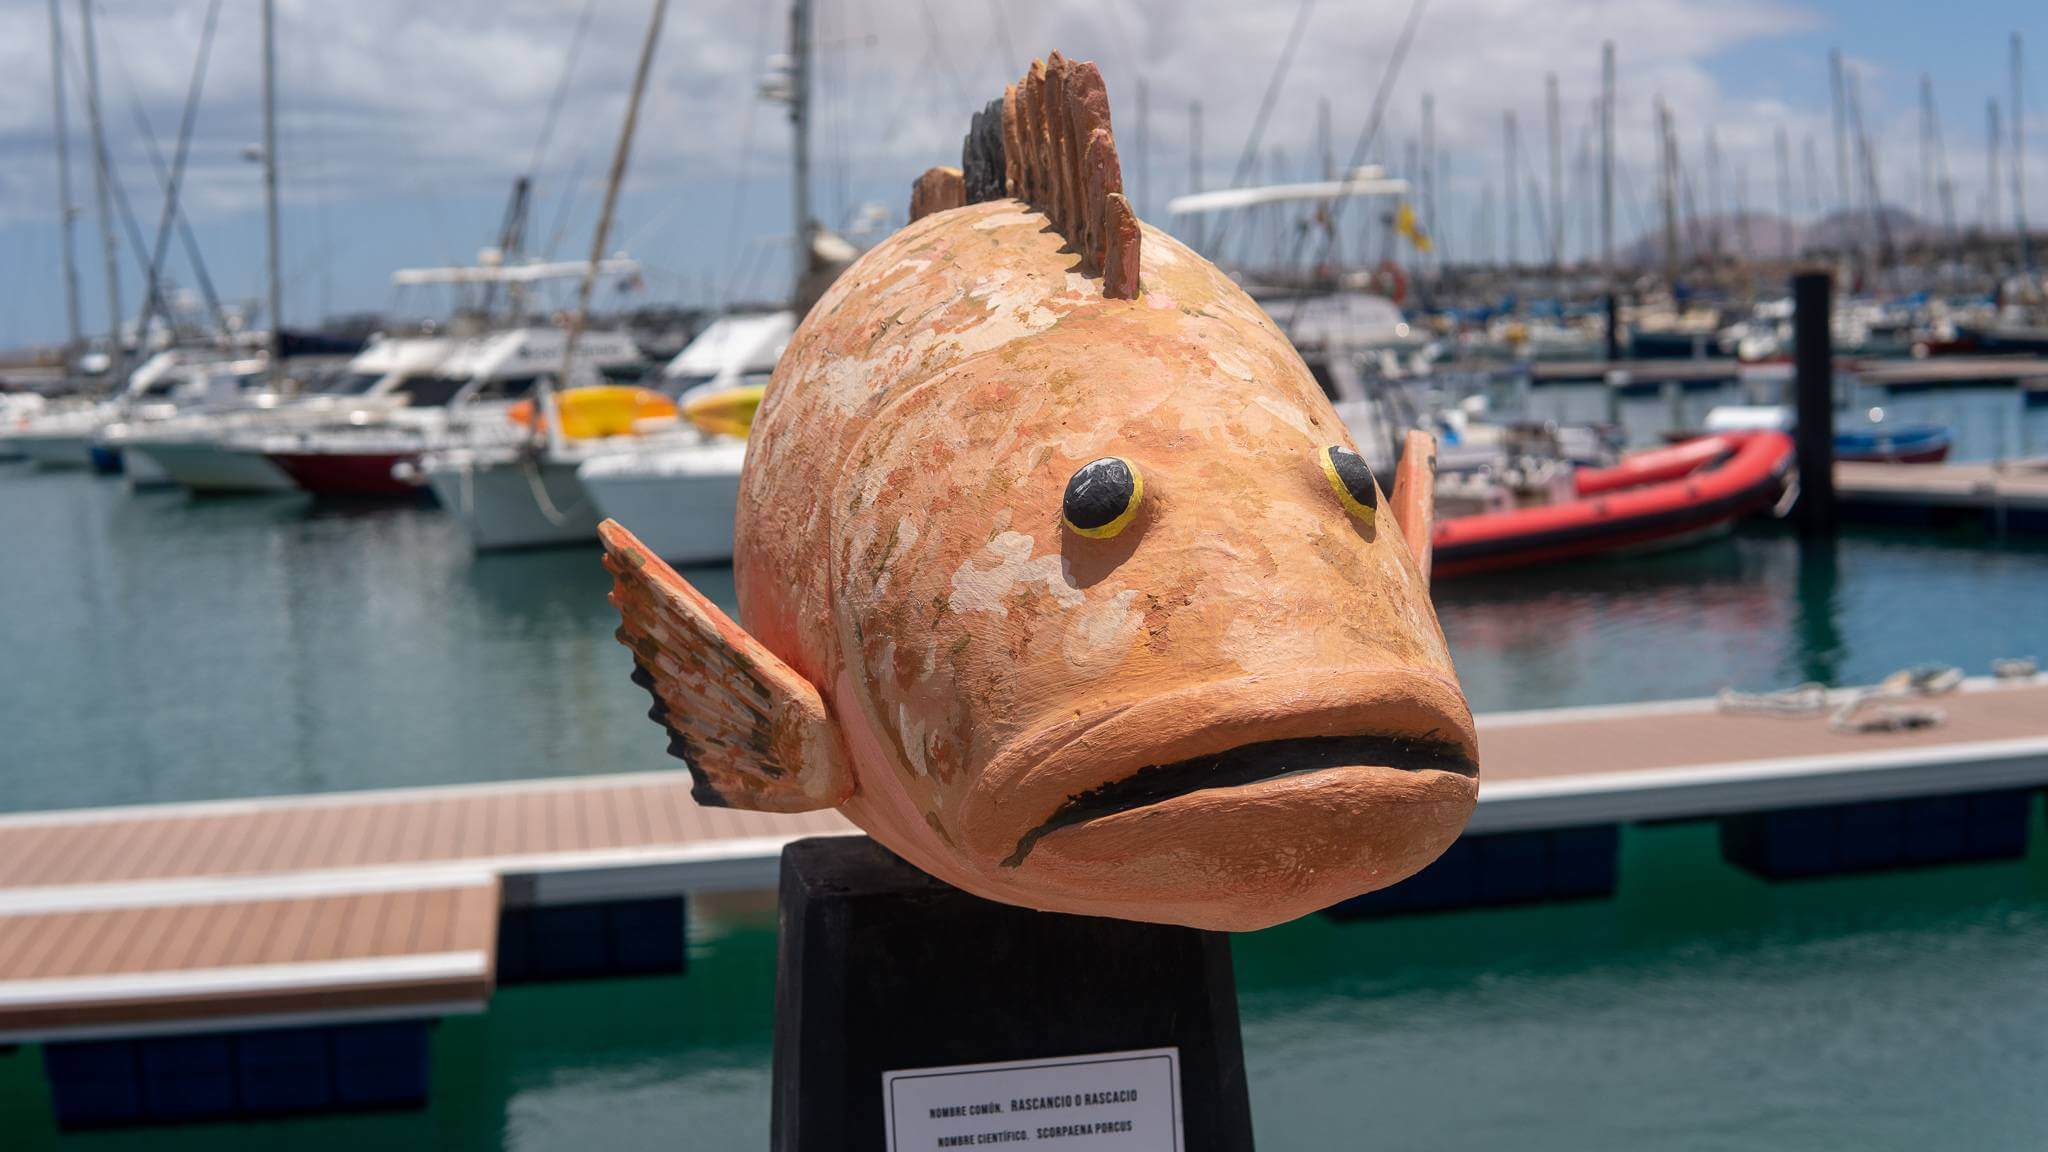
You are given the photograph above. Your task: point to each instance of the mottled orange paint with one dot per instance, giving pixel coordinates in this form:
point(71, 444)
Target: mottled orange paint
point(899, 547)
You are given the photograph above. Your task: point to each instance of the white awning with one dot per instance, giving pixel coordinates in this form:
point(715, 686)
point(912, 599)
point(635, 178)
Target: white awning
point(515, 274)
point(1364, 182)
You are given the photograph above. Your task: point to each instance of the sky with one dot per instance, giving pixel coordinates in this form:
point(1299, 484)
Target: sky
point(402, 125)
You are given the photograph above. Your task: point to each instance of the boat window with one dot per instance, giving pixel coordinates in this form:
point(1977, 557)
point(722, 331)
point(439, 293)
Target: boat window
point(1321, 371)
point(354, 383)
point(757, 378)
point(678, 385)
point(429, 391)
point(161, 387)
point(506, 387)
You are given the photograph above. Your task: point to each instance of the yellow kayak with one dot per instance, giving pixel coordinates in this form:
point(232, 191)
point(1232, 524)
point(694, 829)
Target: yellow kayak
point(602, 410)
point(728, 411)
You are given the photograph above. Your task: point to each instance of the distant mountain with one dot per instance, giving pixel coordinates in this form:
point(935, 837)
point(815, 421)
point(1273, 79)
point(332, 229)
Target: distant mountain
point(1762, 236)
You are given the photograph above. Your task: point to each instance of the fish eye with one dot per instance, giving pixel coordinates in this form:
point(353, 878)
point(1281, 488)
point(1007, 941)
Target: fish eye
point(1351, 479)
point(1103, 497)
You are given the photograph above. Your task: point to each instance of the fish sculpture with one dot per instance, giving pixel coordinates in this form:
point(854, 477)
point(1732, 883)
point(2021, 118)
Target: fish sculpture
point(1061, 578)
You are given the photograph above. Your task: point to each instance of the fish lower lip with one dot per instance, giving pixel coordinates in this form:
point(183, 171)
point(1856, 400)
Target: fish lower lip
point(1247, 764)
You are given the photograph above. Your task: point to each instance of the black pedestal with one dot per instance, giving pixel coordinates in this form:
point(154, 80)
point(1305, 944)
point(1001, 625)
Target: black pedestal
point(881, 968)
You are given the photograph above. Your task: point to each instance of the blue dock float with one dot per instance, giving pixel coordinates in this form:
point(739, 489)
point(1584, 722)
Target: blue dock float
point(217, 1076)
point(1499, 870)
point(1878, 835)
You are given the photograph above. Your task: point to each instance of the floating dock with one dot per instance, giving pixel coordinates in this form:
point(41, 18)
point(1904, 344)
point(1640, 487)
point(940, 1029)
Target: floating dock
point(1637, 377)
point(2011, 496)
point(318, 917)
point(1944, 372)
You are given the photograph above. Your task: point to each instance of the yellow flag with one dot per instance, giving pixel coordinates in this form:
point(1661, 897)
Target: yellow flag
point(1404, 223)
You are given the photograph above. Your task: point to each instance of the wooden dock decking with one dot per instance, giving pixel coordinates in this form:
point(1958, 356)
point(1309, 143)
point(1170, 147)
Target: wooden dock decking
point(347, 906)
point(2008, 494)
point(164, 967)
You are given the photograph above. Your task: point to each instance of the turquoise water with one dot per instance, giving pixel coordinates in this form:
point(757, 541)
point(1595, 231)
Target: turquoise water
point(161, 648)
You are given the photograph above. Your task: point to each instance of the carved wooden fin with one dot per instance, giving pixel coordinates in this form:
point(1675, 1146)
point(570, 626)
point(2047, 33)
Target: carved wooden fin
point(1048, 142)
point(753, 732)
point(935, 191)
point(1414, 496)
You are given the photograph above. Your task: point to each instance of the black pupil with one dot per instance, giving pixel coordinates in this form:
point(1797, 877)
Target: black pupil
point(1356, 475)
point(1098, 493)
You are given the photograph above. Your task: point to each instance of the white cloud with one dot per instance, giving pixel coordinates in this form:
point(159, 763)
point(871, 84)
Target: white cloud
point(391, 100)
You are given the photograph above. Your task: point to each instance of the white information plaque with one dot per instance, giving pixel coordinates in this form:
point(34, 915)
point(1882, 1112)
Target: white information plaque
point(1106, 1102)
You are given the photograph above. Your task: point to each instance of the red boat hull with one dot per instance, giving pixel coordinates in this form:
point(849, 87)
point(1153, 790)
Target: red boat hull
point(347, 473)
point(1658, 498)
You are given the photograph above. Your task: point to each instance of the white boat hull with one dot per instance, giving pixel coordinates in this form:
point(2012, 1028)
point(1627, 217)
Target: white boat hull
point(143, 471)
point(209, 466)
point(499, 506)
point(686, 518)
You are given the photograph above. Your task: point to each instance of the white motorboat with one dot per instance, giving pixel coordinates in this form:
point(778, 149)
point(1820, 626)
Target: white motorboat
point(209, 391)
point(17, 408)
point(463, 404)
point(678, 493)
point(516, 495)
point(63, 436)
point(203, 452)
point(679, 500)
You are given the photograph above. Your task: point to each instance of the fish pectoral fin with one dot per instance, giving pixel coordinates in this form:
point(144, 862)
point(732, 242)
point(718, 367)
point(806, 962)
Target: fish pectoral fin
point(754, 733)
point(1414, 496)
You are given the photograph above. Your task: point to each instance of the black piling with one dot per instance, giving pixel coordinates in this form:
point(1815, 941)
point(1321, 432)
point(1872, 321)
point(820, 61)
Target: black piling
point(1813, 384)
point(1613, 328)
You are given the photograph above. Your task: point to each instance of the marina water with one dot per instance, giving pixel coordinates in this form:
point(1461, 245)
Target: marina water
point(168, 649)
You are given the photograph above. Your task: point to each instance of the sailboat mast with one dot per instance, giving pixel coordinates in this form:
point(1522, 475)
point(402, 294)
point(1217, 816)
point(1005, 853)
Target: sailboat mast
point(1992, 135)
point(274, 284)
point(66, 214)
point(1507, 167)
point(800, 126)
point(611, 190)
point(1607, 159)
point(1667, 168)
point(1195, 163)
point(117, 355)
point(1555, 123)
point(1842, 185)
point(2019, 160)
point(1784, 148)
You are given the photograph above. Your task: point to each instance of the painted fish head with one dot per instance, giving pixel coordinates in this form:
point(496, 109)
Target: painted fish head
point(1128, 627)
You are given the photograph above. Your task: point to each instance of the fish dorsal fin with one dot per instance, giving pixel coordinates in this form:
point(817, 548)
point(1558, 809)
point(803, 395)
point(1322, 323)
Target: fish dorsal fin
point(754, 733)
point(1414, 496)
point(935, 191)
point(1047, 141)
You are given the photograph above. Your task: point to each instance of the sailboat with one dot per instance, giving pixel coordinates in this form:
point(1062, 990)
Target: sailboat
point(682, 491)
point(523, 491)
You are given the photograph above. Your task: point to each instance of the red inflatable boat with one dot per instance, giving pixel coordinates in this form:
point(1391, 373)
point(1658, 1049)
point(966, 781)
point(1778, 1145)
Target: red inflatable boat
point(1659, 498)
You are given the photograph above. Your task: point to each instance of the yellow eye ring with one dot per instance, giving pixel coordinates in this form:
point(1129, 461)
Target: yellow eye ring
point(1102, 497)
point(1352, 480)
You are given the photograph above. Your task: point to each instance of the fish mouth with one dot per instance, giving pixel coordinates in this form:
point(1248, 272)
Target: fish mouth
point(1247, 764)
point(1196, 754)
